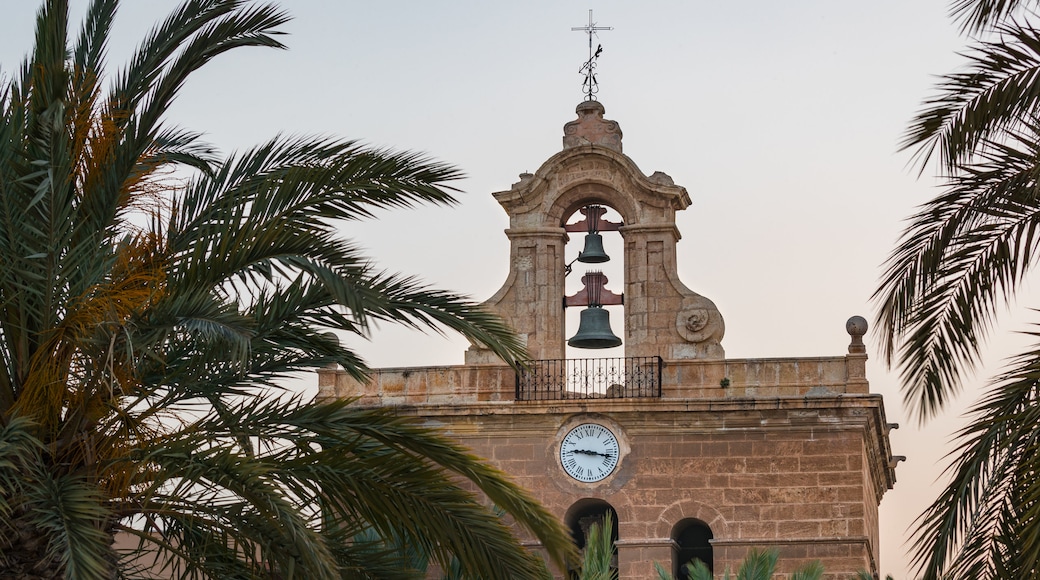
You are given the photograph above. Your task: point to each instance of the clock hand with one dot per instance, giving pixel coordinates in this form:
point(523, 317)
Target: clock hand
point(591, 452)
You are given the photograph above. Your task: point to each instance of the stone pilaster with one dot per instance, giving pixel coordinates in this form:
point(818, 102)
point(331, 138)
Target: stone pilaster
point(530, 300)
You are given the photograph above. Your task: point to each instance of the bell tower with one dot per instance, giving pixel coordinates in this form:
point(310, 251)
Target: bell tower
point(693, 454)
point(662, 316)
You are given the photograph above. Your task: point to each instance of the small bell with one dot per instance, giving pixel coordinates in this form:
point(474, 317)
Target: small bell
point(593, 253)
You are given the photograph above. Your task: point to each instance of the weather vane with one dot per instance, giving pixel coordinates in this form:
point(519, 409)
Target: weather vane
point(591, 87)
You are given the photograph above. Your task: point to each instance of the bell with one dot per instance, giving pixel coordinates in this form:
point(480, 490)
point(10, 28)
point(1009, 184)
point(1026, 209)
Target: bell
point(594, 330)
point(593, 253)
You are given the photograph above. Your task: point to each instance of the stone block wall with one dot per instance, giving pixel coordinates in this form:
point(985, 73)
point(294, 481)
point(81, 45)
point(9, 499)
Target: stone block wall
point(791, 454)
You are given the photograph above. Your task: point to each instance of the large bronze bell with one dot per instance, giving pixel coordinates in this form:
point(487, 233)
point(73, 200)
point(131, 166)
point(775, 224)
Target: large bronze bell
point(593, 253)
point(594, 330)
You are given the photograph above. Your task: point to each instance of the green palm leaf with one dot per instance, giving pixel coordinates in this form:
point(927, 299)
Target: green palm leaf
point(599, 551)
point(810, 571)
point(978, 15)
point(144, 331)
point(982, 105)
point(960, 262)
point(758, 564)
point(985, 523)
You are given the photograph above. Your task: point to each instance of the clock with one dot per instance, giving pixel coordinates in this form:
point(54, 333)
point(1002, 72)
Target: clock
point(589, 452)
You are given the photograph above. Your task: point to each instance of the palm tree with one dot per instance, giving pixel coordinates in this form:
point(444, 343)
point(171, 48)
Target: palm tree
point(147, 315)
point(959, 263)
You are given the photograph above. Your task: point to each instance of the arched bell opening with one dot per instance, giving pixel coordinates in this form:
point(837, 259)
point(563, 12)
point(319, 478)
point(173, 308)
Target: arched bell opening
point(595, 277)
point(693, 542)
point(580, 518)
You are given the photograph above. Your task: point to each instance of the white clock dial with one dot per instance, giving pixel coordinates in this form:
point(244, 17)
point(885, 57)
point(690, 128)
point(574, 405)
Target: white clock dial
point(589, 452)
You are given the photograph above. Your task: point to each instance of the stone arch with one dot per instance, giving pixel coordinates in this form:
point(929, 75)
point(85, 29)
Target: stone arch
point(580, 517)
point(672, 519)
point(690, 509)
point(607, 177)
point(588, 193)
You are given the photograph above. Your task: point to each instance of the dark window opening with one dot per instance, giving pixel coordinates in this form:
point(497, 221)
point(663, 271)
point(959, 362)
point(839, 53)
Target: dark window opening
point(694, 540)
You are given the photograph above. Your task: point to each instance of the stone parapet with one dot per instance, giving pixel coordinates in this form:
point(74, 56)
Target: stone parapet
point(448, 385)
point(682, 379)
point(764, 377)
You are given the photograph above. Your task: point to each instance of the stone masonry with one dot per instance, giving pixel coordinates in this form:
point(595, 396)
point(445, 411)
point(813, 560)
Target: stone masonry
point(790, 454)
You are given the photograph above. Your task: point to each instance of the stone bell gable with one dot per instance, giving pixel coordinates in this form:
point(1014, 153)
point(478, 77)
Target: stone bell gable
point(662, 315)
point(694, 454)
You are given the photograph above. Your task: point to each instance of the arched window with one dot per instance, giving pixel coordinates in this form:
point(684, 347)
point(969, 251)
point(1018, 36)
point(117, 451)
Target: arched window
point(582, 515)
point(694, 540)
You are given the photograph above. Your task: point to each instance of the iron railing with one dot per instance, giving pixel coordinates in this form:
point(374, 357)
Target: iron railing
point(590, 378)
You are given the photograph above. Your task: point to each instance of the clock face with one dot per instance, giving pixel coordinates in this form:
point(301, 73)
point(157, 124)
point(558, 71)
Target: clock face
point(589, 452)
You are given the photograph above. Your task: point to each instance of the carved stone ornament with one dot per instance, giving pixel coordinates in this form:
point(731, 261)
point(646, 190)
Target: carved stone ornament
point(695, 324)
point(592, 128)
point(697, 320)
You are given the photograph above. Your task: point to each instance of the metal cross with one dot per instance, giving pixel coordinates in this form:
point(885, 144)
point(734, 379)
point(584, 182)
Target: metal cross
point(591, 87)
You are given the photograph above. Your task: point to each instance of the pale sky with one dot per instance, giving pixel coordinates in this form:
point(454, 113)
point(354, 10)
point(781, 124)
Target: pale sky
point(781, 119)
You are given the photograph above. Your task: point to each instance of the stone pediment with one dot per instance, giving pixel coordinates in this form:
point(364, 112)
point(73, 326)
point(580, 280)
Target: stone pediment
point(577, 173)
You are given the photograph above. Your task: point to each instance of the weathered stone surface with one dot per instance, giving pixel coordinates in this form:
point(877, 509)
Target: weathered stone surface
point(592, 129)
point(791, 453)
point(793, 472)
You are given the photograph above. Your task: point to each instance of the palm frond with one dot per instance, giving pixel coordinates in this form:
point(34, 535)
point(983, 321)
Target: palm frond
point(699, 571)
point(19, 451)
point(957, 264)
point(960, 261)
point(758, 564)
point(977, 16)
point(232, 25)
point(48, 75)
point(72, 513)
point(89, 51)
point(809, 571)
point(599, 551)
point(300, 179)
point(145, 324)
point(355, 461)
point(137, 80)
point(662, 574)
point(392, 298)
point(981, 105)
point(341, 423)
point(985, 522)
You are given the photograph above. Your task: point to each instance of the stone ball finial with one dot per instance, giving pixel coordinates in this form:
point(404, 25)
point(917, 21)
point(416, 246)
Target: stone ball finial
point(590, 108)
point(856, 327)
